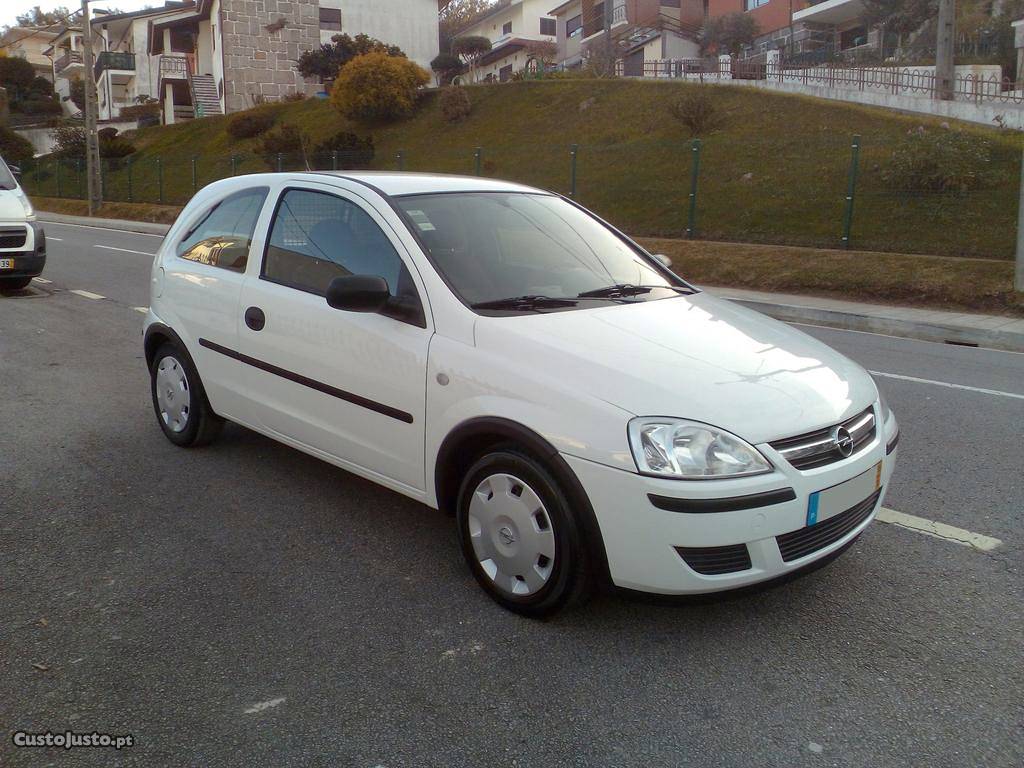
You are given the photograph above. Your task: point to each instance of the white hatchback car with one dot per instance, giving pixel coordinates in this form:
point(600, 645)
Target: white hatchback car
point(498, 352)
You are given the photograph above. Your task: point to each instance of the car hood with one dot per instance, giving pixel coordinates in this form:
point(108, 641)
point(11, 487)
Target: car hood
point(696, 357)
point(11, 208)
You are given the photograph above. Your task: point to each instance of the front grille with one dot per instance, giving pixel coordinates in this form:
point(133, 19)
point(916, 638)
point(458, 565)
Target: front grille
point(714, 560)
point(803, 542)
point(816, 449)
point(12, 237)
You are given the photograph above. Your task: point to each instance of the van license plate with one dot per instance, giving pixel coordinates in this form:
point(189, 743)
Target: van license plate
point(6, 263)
point(830, 502)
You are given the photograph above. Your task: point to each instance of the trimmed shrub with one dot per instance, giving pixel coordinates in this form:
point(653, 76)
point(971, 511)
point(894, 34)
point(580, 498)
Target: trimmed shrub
point(107, 133)
point(455, 104)
point(246, 125)
point(939, 160)
point(446, 66)
point(141, 111)
point(376, 87)
point(15, 149)
point(69, 141)
point(37, 106)
point(353, 152)
point(285, 140)
point(115, 146)
point(698, 112)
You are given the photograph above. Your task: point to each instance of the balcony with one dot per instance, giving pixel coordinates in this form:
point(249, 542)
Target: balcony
point(67, 61)
point(174, 67)
point(831, 12)
point(114, 60)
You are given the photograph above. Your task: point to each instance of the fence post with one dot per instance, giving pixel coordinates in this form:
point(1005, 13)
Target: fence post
point(573, 151)
point(476, 158)
point(691, 220)
point(1018, 277)
point(334, 160)
point(60, 191)
point(160, 180)
point(400, 160)
point(129, 178)
point(194, 177)
point(280, 162)
point(234, 165)
point(78, 176)
point(851, 189)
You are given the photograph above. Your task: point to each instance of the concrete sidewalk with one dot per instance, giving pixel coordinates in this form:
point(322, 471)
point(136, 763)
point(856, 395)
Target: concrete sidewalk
point(992, 331)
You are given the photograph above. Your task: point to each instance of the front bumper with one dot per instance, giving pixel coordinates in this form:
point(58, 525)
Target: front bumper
point(30, 256)
point(645, 544)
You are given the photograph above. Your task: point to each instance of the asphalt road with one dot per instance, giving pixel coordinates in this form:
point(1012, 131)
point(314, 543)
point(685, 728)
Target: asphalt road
point(248, 605)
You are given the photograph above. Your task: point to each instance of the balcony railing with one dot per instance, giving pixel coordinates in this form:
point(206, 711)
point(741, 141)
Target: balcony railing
point(114, 60)
point(68, 59)
point(173, 68)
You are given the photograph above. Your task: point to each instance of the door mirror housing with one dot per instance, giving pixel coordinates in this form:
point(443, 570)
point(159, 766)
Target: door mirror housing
point(15, 171)
point(358, 293)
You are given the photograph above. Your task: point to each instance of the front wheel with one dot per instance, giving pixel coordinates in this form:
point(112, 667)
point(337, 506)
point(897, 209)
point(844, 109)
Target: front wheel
point(14, 283)
point(519, 535)
point(182, 410)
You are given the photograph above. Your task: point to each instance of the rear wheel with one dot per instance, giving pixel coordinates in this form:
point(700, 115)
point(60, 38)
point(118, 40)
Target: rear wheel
point(182, 410)
point(520, 536)
point(14, 283)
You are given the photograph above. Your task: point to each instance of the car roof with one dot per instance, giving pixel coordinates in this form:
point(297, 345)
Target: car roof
point(401, 183)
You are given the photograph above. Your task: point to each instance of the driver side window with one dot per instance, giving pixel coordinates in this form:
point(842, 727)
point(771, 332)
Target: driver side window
point(316, 237)
point(223, 236)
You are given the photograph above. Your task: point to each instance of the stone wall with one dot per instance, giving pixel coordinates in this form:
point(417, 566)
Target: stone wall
point(262, 41)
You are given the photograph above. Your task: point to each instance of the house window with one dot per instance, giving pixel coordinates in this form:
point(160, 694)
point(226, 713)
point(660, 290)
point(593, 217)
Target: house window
point(330, 18)
point(506, 28)
point(505, 73)
point(548, 27)
point(752, 4)
point(574, 26)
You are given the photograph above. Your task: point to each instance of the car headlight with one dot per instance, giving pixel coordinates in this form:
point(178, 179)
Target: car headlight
point(29, 212)
point(883, 404)
point(689, 450)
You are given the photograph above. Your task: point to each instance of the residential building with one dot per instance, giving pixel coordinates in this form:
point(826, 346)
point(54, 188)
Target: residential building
point(65, 55)
point(409, 24)
point(511, 26)
point(31, 44)
point(640, 31)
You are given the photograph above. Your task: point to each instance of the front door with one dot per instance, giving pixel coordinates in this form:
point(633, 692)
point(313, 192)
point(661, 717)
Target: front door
point(349, 384)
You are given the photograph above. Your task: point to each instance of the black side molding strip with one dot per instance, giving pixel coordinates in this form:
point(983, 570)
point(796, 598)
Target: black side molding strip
point(726, 504)
point(327, 389)
point(891, 445)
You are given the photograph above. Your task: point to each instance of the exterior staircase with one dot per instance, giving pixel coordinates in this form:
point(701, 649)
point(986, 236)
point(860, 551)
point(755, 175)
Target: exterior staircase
point(205, 100)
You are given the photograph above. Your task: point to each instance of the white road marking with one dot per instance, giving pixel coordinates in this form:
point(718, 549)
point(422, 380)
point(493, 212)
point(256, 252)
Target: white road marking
point(56, 239)
point(101, 229)
point(904, 338)
point(143, 310)
point(938, 530)
point(916, 380)
point(42, 280)
point(88, 295)
point(264, 705)
point(124, 250)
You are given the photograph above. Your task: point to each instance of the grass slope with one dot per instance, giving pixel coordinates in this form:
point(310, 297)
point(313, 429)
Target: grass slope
point(776, 173)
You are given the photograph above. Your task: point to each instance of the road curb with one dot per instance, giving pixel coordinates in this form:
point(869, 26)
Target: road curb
point(991, 338)
point(124, 225)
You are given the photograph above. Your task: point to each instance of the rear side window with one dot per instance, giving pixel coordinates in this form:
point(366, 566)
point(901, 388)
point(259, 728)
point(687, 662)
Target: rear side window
point(222, 237)
point(317, 237)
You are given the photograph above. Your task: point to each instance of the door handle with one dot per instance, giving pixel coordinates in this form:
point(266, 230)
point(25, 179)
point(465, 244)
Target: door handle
point(255, 318)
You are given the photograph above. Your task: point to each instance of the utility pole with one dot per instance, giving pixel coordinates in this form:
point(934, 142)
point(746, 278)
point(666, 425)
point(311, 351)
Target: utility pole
point(92, 142)
point(944, 71)
point(1018, 275)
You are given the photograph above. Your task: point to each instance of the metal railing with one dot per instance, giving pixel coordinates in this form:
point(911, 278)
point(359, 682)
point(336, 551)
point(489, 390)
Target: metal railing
point(68, 59)
point(114, 60)
point(173, 67)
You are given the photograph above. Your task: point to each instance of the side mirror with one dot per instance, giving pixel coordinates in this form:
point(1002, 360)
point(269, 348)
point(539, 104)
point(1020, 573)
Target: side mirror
point(662, 259)
point(358, 293)
point(16, 170)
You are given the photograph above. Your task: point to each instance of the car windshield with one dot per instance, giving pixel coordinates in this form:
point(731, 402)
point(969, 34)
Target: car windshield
point(530, 249)
point(7, 181)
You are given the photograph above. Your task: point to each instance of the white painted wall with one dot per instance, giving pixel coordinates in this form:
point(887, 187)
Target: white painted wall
point(409, 24)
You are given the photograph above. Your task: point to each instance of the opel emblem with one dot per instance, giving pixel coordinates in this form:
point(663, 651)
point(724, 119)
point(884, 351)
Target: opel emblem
point(506, 535)
point(843, 440)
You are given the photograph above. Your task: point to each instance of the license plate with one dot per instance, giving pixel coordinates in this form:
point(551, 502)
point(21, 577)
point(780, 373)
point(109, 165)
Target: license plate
point(830, 502)
point(6, 263)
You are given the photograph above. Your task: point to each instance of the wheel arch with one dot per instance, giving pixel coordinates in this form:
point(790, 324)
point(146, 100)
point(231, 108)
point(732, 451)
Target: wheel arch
point(471, 439)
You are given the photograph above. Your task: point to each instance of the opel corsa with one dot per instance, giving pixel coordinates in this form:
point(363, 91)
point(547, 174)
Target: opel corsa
point(498, 352)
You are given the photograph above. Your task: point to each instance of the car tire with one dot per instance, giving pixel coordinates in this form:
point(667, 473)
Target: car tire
point(14, 283)
point(520, 536)
point(179, 400)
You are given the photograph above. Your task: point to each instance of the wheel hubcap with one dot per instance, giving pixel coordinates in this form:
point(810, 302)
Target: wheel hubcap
point(173, 395)
point(511, 534)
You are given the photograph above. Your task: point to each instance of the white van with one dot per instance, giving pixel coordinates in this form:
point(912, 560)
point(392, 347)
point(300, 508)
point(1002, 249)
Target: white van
point(22, 242)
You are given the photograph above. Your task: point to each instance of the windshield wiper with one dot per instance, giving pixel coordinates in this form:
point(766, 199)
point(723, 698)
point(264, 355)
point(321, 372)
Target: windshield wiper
point(528, 302)
point(628, 289)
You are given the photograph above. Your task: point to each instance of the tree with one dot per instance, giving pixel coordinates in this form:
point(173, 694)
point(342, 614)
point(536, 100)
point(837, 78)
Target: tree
point(37, 17)
point(459, 14)
point(326, 61)
point(376, 87)
point(471, 49)
point(900, 17)
point(545, 51)
point(16, 75)
point(446, 66)
point(729, 33)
